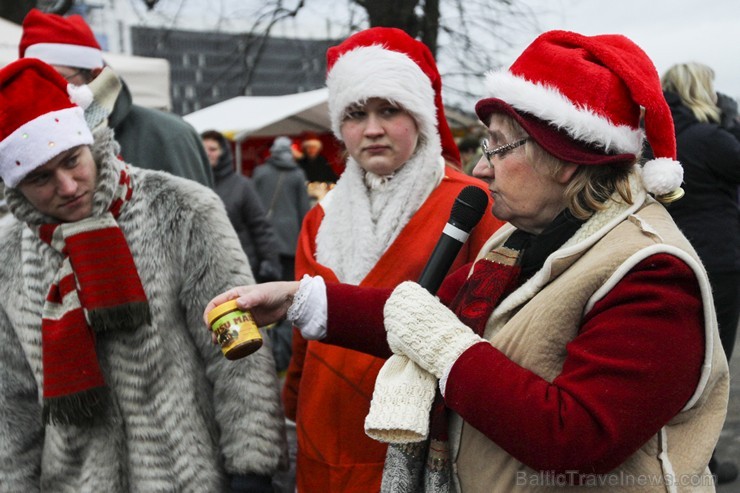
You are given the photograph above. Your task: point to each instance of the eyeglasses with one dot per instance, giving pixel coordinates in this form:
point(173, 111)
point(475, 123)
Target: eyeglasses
point(73, 75)
point(500, 151)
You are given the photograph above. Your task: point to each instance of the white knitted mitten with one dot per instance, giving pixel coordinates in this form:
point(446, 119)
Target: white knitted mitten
point(425, 330)
point(402, 399)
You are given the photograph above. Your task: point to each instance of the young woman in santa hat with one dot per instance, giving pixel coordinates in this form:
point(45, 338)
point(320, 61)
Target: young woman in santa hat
point(108, 384)
point(580, 350)
point(377, 228)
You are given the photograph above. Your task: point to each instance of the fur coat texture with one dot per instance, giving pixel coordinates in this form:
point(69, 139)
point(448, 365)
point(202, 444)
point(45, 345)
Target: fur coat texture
point(183, 418)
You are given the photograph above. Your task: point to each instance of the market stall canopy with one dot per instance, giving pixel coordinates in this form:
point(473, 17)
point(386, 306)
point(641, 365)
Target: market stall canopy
point(264, 116)
point(147, 78)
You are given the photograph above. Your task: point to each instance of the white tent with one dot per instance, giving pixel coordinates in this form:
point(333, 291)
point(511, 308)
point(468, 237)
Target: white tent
point(292, 114)
point(147, 78)
point(265, 116)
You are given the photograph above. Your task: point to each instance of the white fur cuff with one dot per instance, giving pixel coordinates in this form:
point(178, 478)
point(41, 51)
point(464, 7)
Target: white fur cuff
point(309, 310)
point(402, 400)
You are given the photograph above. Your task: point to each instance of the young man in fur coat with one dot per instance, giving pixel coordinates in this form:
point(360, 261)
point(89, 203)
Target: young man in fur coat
point(107, 381)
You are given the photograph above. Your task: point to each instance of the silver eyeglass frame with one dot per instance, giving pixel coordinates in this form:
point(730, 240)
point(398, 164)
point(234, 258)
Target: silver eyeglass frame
point(500, 150)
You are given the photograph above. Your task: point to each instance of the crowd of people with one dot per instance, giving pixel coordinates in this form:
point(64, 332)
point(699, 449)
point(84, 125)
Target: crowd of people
point(580, 337)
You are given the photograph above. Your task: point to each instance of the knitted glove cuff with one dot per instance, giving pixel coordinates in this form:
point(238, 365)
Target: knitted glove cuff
point(425, 330)
point(402, 400)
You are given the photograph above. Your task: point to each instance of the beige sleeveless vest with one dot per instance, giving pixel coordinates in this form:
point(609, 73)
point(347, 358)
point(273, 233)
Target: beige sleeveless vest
point(533, 325)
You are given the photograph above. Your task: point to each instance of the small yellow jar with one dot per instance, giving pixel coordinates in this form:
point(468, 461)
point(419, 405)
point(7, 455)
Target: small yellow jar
point(235, 330)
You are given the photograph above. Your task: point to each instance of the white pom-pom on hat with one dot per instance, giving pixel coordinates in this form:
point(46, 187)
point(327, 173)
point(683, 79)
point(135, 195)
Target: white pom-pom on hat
point(662, 176)
point(82, 96)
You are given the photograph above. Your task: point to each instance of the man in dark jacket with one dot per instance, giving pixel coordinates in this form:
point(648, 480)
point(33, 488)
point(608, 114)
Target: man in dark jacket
point(282, 188)
point(314, 165)
point(244, 208)
point(149, 138)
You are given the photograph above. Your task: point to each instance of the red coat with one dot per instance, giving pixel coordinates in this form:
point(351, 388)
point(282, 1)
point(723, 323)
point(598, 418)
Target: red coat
point(328, 389)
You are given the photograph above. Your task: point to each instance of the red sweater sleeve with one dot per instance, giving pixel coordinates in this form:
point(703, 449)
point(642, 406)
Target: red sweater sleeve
point(355, 318)
point(633, 366)
point(355, 314)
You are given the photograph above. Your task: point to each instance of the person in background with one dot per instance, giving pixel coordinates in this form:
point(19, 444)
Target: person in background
point(244, 208)
point(377, 227)
point(150, 138)
point(469, 153)
point(282, 188)
point(108, 383)
point(314, 164)
point(281, 185)
point(730, 119)
point(708, 213)
point(580, 351)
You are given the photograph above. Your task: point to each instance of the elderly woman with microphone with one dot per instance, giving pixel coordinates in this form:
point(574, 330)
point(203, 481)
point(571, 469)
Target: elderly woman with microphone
point(581, 348)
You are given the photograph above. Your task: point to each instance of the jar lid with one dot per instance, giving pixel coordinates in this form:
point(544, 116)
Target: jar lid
point(221, 309)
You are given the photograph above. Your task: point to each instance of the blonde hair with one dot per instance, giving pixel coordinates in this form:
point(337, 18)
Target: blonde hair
point(589, 188)
point(693, 83)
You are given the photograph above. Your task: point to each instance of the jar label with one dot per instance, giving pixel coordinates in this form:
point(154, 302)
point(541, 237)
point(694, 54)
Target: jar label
point(235, 329)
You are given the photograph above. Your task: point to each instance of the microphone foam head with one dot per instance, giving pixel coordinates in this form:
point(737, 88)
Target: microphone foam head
point(469, 207)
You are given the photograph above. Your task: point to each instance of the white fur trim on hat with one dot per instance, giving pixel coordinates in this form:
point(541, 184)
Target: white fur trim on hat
point(549, 104)
point(662, 175)
point(66, 54)
point(375, 72)
point(36, 142)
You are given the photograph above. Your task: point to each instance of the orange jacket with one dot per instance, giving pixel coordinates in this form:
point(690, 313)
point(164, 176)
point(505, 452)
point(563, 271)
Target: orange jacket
point(328, 389)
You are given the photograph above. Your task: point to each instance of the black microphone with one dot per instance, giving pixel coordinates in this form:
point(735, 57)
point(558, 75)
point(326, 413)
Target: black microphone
point(466, 212)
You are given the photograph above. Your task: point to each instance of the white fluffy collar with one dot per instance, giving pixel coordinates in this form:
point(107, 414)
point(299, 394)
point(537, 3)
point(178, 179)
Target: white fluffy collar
point(361, 222)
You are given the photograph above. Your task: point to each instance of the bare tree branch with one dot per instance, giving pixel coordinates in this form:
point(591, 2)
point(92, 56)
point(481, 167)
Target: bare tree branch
point(467, 37)
point(278, 14)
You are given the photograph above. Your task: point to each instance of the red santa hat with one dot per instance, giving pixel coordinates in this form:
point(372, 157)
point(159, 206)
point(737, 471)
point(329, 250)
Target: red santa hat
point(387, 63)
point(58, 40)
point(39, 117)
point(581, 98)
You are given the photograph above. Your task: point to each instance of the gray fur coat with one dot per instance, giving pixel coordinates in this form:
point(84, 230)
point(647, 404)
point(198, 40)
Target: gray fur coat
point(183, 417)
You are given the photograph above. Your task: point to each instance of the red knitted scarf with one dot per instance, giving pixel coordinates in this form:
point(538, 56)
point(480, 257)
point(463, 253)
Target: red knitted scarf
point(97, 288)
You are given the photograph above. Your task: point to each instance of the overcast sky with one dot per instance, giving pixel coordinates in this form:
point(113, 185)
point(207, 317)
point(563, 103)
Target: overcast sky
point(670, 31)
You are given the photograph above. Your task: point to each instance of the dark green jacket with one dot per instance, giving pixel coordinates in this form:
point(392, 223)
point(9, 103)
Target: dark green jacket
point(154, 139)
